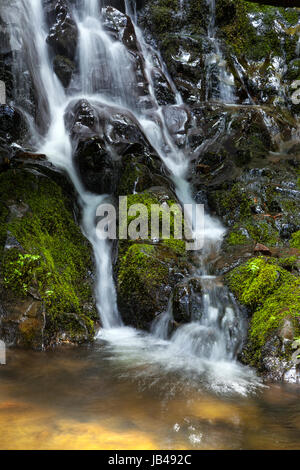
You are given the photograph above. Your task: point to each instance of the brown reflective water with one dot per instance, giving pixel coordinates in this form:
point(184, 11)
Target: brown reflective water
point(81, 399)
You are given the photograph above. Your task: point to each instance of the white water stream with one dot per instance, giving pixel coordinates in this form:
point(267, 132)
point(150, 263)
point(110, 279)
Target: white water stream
point(203, 348)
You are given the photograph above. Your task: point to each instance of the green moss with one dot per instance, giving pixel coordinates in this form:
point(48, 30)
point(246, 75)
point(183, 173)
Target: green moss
point(163, 15)
point(235, 199)
point(140, 271)
point(295, 240)
point(237, 238)
point(55, 256)
point(197, 15)
point(271, 293)
point(262, 232)
point(4, 212)
point(178, 246)
point(149, 200)
point(284, 302)
point(290, 263)
point(129, 177)
point(20, 271)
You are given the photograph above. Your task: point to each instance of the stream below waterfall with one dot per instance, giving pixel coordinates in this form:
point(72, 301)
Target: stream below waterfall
point(95, 398)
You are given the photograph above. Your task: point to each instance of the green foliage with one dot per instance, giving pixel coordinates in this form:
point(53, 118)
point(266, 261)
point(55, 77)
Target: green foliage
point(254, 281)
point(283, 302)
point(4, 212)
point(289, 262)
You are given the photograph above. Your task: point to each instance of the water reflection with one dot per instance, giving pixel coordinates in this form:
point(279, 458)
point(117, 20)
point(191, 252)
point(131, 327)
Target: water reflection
point(83, 399)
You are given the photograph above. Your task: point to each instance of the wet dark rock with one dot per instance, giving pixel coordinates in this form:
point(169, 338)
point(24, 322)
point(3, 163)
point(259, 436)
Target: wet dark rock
point(177, 119)
point(141, 171)
point(278, 361)
point(63, 34)
point(80, 119)
point(120, 26)
point(64, 69)
point(13, 129)
point(256, 47)
point(54, 8)
point(286, 230)
point(116, 127)
point(274, 368)
point(293, 70)
point(12, 124)
point(187, 300)
point(163, 92)
point(22, 323)
point(112, 153)
point(97, 170)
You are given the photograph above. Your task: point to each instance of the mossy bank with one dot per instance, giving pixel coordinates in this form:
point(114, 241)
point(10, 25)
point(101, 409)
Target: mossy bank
point(270, 289)
point(46, 264)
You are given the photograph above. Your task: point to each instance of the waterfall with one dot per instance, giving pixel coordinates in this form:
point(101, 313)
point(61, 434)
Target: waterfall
point(215, 59)
point(106, 77)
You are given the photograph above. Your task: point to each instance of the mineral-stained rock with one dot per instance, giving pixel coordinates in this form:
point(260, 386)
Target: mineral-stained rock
point(259, 248)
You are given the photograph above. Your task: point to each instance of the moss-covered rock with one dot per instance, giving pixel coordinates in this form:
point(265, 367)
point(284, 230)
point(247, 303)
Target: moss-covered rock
point(45, 261)
point(148, 269)
point(272, 296)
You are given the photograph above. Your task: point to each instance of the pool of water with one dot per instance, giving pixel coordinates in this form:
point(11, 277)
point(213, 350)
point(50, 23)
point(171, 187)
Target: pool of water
point(96, 398)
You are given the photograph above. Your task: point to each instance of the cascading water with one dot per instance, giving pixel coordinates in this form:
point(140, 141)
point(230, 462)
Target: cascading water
point(215, 59)
point(207, 346)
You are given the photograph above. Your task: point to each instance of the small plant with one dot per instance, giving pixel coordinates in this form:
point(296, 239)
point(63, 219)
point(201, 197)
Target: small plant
point(20, 272)
point(253, 267)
